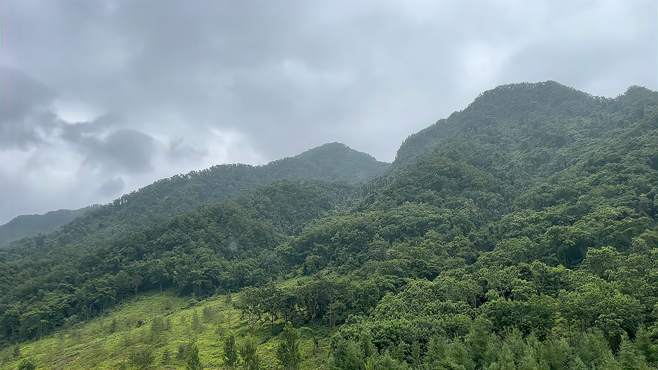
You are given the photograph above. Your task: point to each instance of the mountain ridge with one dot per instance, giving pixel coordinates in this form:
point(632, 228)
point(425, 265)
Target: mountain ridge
point(519, 102)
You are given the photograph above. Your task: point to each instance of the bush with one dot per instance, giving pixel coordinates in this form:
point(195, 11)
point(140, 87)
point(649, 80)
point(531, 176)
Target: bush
point(27, 364)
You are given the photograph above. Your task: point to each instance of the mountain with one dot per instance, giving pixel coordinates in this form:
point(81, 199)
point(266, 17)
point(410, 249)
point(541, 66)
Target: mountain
point(523, 104)
point(328, 162)
point(520, 232)
point(30, 225)
point(167, 198)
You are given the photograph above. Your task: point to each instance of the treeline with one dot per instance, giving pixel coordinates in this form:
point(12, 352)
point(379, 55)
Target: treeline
point(482, 349)
point(327, 300)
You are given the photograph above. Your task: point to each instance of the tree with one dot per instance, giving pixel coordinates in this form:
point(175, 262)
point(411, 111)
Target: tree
point(478, 342)
point(141, 359)
point(347, 355)
point(457, 357)
point(27, 364)
point(230, 352)
point(288, 351)
point(365, 342)
point(193, 362)
point(645, 346)
point(157, 327)
point(249, 355)
point(386, 362)
point(113, 325)
point(629, 357)
point(505, 360)
point(197, 326)
point(436, 351)
point(166, 356)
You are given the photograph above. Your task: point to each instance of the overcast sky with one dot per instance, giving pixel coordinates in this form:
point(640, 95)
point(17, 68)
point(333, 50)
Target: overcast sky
point(101, 97)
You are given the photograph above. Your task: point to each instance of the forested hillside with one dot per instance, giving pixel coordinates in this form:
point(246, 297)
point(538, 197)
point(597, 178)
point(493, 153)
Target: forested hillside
point(29, 225)
point(519, 233)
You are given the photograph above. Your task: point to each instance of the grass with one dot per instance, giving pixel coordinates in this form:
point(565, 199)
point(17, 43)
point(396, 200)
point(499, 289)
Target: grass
point(160, 323)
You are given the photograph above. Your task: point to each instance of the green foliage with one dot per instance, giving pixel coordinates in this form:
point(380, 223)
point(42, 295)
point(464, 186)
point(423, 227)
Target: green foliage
point(196, 322)
point(347, 355)
point(27, 365)
point(166, 357)
point(142, 359)
point(193, 362)
point(230, 352)
point(288, 350)
point(248, 354)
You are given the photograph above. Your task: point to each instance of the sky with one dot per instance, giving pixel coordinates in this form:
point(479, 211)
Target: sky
point(99, 98)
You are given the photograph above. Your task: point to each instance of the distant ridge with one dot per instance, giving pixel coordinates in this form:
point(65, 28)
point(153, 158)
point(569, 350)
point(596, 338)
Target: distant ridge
point(31, 225)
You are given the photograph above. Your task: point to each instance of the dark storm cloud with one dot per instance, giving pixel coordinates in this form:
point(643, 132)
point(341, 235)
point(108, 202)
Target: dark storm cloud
point(122, 150)
point(184, 85)
point(24, 110)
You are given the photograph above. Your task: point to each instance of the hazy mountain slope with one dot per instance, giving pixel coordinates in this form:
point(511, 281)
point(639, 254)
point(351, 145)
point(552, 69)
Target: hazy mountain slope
point(30, 225)
point(164, 199)
point(534, 112)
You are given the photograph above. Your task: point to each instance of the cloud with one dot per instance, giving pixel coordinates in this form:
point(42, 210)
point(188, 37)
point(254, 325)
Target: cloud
point(178, 150)
point(112, 187)
point(178, 86)
point(24, 112)
point(122, 150)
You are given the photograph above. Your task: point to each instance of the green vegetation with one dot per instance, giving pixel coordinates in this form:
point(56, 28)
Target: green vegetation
point(156, 330)
point(214, 249)
point(520, 233)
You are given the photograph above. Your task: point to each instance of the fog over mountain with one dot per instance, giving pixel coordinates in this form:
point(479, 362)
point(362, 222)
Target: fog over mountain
point(101, 98)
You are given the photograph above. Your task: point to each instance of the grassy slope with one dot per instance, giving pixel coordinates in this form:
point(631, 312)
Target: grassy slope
point(93, 345)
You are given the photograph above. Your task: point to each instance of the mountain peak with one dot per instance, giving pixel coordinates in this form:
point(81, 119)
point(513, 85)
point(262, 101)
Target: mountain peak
point(327, 147)
point(332, 149)
point(639, 93)
point(335, 161)
point(519, 99)
point(541, 88)
point(517, 102)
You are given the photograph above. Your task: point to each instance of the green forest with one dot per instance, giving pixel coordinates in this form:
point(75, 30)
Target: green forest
point(518, 233)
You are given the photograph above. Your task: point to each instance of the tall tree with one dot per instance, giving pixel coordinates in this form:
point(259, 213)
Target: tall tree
point(249, 354)
point(288, 350)
point(230, 352)
point(193, 361)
